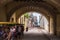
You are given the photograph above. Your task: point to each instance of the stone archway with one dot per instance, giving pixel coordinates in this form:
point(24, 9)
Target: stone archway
point(46, 9)
point(44, 5)
point(19, 12)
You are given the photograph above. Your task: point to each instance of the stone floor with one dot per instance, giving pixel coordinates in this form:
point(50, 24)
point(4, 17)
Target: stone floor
point(38, 34)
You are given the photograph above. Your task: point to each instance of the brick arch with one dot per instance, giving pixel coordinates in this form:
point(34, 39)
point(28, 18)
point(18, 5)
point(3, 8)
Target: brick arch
point(48, 7)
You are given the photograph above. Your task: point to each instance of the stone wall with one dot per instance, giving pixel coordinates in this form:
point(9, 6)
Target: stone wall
point(2, 14)
point(58, 24)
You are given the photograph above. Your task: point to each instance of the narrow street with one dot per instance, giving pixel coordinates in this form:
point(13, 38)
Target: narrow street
point(38, 34)
point(35, 34)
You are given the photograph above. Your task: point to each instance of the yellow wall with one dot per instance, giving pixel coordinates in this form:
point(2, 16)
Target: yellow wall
point(51, 26)
point(14, 17)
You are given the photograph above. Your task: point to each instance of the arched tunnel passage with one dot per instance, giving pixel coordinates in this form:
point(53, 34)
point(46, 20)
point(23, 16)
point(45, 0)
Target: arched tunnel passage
point(48, 27)
point(45, 9)
point(45, 27)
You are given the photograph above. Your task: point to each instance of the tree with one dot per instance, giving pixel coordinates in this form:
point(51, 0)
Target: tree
point(26, 15)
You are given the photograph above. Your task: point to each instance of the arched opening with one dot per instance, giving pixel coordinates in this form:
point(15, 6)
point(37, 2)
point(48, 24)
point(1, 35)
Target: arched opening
point(49, 17)
point(46, 10)
point(47, 21)
point(33, 21)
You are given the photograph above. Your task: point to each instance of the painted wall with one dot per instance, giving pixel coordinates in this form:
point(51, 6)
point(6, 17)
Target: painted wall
point(14, 18)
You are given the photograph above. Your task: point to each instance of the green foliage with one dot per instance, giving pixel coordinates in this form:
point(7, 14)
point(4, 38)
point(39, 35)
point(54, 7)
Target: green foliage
point(26, 15)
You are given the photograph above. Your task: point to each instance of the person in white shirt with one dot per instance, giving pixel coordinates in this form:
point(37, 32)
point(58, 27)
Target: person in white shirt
point(12, 31)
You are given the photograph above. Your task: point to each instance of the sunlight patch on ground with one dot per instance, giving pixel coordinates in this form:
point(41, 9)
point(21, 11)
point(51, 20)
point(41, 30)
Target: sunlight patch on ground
point(36, 31)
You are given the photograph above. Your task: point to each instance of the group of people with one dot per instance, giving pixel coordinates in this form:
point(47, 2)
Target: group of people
point(11, 33)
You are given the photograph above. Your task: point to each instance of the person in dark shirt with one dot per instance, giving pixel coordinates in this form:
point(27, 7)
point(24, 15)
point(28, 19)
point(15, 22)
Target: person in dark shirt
point(1, 33)
point(22, 29)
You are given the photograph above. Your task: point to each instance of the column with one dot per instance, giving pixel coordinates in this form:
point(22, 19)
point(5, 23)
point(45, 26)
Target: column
point(51, 26)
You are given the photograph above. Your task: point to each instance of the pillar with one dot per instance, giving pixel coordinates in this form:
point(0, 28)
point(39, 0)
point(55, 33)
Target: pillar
point(51, 26)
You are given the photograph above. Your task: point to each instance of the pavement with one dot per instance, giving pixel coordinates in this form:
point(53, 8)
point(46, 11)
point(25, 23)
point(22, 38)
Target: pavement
point(38, 34)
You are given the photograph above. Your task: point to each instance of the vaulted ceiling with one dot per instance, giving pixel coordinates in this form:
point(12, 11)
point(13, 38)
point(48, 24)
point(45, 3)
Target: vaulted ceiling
point(56, 3)
point(53, 4)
